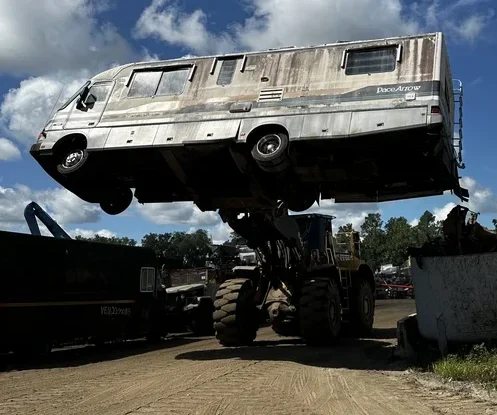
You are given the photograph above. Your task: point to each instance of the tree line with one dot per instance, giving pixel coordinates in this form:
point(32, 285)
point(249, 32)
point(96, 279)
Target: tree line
point(381, 242)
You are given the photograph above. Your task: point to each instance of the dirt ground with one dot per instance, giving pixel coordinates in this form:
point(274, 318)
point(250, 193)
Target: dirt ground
point(196, 376)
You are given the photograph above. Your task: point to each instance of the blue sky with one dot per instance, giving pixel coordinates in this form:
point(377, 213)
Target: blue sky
point(86, 36)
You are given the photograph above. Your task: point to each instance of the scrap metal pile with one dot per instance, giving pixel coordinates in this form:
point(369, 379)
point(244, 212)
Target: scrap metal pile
point(460, 237)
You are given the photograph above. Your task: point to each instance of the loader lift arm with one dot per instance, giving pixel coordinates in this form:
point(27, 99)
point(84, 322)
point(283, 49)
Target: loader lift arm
point(275, 237)
point(33, 211)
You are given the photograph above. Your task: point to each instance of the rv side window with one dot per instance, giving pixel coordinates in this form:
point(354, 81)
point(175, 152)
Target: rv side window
point(173, 82)
point(228, 67)
point(147, 279)
point(144, 84)
point(366, 61)
point(100, 92)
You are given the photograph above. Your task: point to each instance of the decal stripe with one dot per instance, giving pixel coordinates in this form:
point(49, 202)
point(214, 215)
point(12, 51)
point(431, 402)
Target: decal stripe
point(369, 93)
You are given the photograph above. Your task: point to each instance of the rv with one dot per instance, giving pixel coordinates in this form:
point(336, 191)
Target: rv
point(361, 121)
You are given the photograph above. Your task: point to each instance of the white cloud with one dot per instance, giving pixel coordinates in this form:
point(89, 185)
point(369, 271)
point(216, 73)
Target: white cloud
point(414, 222)
point(87, 233)
point(464, 20)
point(45, 36)
point(220, 233)
point(25, 109)
point(167, 23)
point(177, 213)
point(276, 23)
point(8, 150)
point(481, 199)
point(63, 206)
point(441, 213)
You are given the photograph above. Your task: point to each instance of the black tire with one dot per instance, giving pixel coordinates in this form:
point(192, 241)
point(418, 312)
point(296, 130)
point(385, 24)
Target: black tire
point(271, 152)
point(362, 304)
point(202, 323)
point(289, 328)
point(72, 161)
point(235, 315)
point(320, 312)
point(117, 202)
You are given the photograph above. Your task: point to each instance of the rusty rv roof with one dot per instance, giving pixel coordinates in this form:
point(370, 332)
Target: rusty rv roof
point(114, 72)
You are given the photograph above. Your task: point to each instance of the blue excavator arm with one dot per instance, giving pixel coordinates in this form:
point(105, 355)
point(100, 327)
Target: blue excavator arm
point(32, 211)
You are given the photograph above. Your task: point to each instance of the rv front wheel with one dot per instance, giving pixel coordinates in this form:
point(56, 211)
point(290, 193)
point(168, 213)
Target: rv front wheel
point(72, 160)
point(117, 202)
point(271, 152)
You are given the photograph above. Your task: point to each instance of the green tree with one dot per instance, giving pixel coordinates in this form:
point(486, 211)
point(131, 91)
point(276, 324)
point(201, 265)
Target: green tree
point(189, 249)
point(373, 240)
point(235, 240)
point(110, 240)
point(193, 247)
point(398, 237)
point(427, 229)
point(494, 222)
point(161, 243)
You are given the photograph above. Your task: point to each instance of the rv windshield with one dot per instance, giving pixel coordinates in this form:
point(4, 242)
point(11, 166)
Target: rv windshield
point(77, 94)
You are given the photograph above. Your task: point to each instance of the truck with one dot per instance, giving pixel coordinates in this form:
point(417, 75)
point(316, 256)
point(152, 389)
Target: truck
point(353, 121)
point(58, 290)
point(305, 286)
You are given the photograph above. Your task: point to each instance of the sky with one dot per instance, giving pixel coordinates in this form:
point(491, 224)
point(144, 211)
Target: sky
point(50, 48)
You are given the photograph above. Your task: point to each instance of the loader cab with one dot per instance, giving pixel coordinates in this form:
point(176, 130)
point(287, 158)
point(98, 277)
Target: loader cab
point(348, 244)
point(316, 232)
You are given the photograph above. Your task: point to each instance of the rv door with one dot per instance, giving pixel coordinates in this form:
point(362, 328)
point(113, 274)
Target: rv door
point(88, 109)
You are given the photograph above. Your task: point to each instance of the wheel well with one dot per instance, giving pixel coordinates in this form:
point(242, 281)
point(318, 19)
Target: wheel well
point(69, 142)
point(261, 130)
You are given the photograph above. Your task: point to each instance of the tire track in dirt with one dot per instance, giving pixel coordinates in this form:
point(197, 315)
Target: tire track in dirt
point(202, 378)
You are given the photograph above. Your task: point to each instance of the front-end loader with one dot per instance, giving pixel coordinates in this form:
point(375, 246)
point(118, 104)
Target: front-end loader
point(303, 286)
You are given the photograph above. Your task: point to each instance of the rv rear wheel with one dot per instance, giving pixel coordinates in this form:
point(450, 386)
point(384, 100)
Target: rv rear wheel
point(235, 318)
point(271, 152)
point(72, 160)
point(117, 201)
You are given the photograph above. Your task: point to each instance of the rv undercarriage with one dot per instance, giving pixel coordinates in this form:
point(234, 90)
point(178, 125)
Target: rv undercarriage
point(268, 168)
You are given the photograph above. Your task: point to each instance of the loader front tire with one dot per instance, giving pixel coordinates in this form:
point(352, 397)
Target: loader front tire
point(320, 312)
point(235, 315)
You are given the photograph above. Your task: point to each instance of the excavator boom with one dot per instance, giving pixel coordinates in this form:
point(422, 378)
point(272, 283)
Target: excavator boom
point(33, 211)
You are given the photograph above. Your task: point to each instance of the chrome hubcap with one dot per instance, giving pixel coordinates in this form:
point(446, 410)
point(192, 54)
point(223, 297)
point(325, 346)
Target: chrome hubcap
point(269, 144)
point(73, 158)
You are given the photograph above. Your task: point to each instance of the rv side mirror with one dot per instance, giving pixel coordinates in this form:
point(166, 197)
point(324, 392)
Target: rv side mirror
point(90, 100)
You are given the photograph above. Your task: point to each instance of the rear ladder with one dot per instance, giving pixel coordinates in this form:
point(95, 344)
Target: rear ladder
point(458, 136)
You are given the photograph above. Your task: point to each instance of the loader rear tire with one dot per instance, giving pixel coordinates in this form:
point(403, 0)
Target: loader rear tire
point(235, 315)
point(320, 312)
